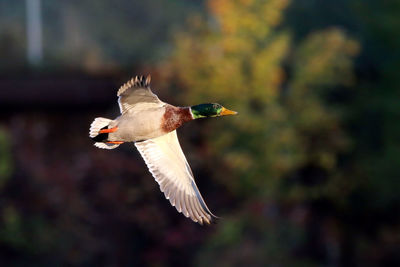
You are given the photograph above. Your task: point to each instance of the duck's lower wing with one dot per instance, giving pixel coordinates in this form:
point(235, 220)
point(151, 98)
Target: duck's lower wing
point(167, 163)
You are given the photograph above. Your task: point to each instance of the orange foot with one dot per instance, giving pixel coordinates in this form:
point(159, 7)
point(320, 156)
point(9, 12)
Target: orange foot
point(115, 142)
point(111, 130)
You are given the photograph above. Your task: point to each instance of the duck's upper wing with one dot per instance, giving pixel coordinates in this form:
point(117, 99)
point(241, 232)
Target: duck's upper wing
point(135, 91)
point(167, 163)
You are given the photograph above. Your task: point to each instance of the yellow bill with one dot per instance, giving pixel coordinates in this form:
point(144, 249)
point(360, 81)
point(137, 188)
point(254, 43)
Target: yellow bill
point(226, 111)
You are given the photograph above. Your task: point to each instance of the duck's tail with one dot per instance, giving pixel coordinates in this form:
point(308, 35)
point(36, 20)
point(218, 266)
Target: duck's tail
point(100, 136)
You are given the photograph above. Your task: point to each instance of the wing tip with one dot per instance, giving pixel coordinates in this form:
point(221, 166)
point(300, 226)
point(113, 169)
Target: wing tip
point(212, 220)
point(137, 81)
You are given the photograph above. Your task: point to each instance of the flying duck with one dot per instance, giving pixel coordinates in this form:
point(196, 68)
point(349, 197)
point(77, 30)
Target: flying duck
point(151, 125)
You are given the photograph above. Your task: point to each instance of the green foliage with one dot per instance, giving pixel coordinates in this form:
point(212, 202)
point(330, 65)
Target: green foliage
point(6, 165)
point(285, 123)
point(275, 110)
point(376, 110)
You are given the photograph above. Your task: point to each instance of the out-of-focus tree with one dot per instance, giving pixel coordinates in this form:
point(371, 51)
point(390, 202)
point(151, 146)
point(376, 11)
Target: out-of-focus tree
point(377, 107)
point(282, 150)
point(5, 158)
point(371, 115)
point(373, 123)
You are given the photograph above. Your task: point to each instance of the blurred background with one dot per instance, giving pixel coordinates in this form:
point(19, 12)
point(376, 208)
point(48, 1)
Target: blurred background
point(306, 175)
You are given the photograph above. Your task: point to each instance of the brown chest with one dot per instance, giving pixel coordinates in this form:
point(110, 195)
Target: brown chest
point(174, 117)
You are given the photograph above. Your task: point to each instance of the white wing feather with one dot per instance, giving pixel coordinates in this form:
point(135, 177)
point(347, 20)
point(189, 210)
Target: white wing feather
point(167, 163)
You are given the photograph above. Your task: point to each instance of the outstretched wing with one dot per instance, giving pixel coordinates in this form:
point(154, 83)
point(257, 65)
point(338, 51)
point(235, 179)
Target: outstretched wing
point(167, 163)
point(135, 91)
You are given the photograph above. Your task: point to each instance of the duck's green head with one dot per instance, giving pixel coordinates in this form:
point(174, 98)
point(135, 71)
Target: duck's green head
point(210, 110)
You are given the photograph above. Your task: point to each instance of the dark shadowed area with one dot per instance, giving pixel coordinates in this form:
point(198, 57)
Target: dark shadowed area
point(306, 175)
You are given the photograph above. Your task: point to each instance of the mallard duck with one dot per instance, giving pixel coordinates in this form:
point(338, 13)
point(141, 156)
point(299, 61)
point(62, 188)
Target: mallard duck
point(151, 124)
